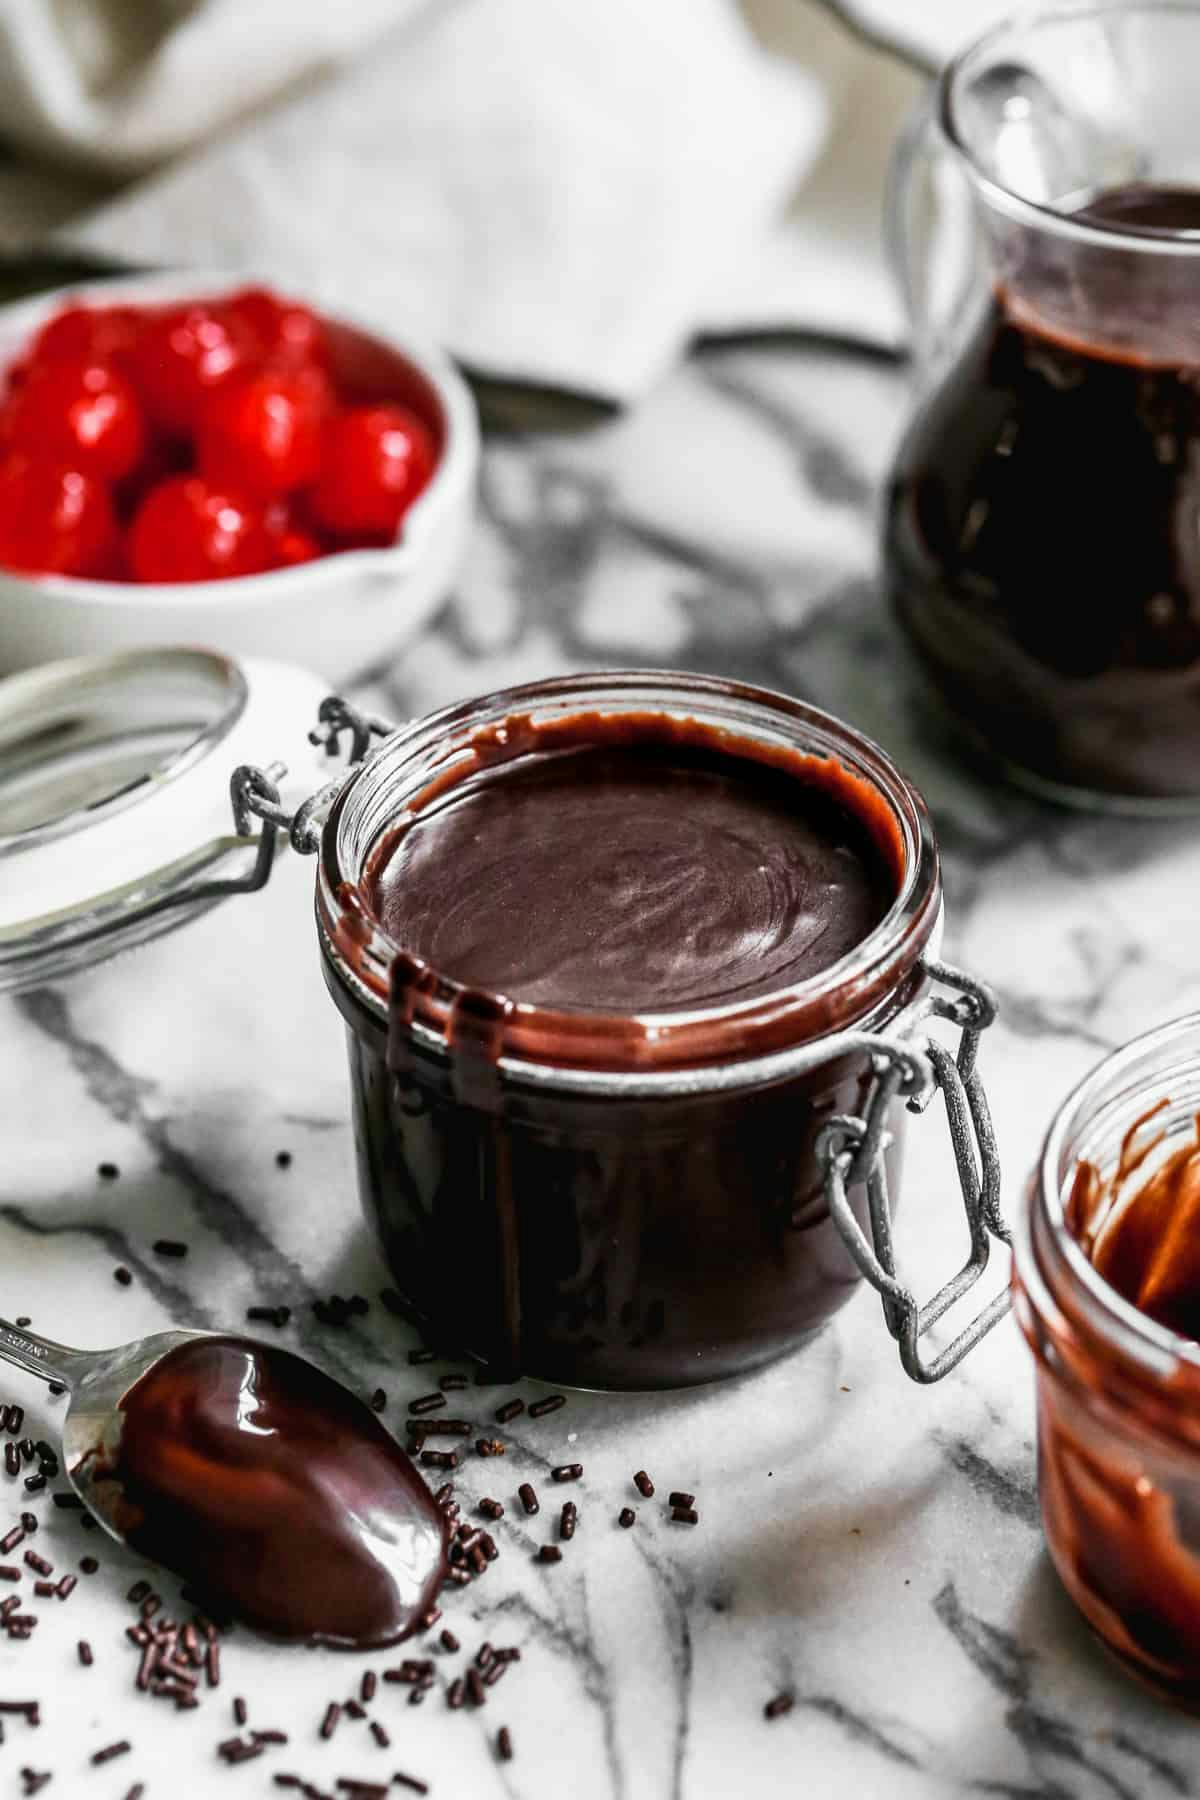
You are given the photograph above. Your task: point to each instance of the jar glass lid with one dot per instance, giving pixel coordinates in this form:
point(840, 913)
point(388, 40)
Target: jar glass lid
point(114, 794)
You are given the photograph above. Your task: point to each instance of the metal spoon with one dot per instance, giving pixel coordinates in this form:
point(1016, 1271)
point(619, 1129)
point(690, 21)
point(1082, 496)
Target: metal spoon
point(96, 1381)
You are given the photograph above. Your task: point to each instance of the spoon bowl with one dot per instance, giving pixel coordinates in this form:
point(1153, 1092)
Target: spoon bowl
point(266, 1485)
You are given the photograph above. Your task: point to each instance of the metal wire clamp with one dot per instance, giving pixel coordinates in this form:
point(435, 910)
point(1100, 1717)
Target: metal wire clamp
point(851, 1152)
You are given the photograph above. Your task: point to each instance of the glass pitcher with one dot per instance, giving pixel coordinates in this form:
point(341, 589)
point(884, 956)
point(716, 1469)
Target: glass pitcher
point(1042, 532)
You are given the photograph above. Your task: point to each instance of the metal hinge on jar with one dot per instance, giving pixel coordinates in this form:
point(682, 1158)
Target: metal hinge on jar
point(913, 1067)
point(254, 794)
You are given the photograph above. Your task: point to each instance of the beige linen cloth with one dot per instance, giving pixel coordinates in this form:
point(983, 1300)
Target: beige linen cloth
point(560, 191)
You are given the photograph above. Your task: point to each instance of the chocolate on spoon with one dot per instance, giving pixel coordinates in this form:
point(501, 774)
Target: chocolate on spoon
point(261, 1481)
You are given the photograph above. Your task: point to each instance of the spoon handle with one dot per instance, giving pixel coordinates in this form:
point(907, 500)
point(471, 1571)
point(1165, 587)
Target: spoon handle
point(41, 1356)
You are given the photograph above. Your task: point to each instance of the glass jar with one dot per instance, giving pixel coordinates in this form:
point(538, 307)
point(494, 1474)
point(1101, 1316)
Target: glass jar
point(1042, 534)
point(583, 1213)
point(1118, 1395)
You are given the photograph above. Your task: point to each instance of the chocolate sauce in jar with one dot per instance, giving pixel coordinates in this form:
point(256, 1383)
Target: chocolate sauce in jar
point(631, 879)
point(276, 1493)
point(1120, 1462)
point(1043, 527)
point(644, 894)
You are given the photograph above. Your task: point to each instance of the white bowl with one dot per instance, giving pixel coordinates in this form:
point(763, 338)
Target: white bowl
point(336, 615)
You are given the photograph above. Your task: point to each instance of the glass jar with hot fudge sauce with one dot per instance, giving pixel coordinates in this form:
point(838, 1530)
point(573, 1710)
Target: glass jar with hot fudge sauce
point(1107, 1292)
point(1042, 537)
point(636, 970)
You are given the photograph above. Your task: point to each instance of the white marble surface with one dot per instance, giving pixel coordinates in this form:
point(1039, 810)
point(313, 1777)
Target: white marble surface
point(873, 1547)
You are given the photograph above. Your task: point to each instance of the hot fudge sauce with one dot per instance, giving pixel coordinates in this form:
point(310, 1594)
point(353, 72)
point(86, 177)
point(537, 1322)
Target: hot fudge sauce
point(1143, 1235)
point(1120, 1457)
point(1043, 528)
point(274, 1491)
point(570, 931)
point(632, 878)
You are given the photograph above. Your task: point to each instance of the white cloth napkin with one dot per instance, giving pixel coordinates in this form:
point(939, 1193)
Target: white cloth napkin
point(560, 193)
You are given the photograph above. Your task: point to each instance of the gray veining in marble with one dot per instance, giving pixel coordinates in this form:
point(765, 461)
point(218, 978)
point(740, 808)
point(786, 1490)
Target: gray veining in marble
point(873, 1547)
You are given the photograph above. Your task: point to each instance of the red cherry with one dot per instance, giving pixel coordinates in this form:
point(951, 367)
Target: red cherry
point(189, 529)
point(376, 460)
point(292, 539)
point(87, 333)
point(263, 432)
point(286, 334)
point(53, 519)
point(85, 412)
point(180, 356)
point(293, 547)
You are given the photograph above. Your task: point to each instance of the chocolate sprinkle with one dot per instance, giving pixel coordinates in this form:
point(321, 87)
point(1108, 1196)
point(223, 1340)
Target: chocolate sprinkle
point(504, 1744)
point(685, 1515)
point(378, 1400)
point(380, 1735)
point(549, 1553)
point(644, 1485)
point(781, 1704)
point(508, 1411)
point(567, 1472)
point(88, 1564)
point(122, 1275)
point(108, 1171)
point(448, 1641)
point(626, 1517)
point(110, 1751)
point(528, 1498)
point(491, 1509)
point(410, 1781)
point(10, 1542)
point(439, 1459)
point(333, 1713)
point(85, 1653)
point(549, 1405)
point(239, 1711)
point(69, 1502)
point(269, 1315)
point(169, 1247)
point(567, 1521)
point(678, 1499)
point(283, 1159)
point(366, 1690)
point(427, 1403)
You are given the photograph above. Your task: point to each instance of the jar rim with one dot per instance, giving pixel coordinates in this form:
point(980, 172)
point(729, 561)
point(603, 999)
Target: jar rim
point(582, 1041)
point(1016, 207)
point(1140, 1342)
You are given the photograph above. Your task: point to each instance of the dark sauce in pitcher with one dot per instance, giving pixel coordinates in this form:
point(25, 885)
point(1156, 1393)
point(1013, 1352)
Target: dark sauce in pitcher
point(1043, 532)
